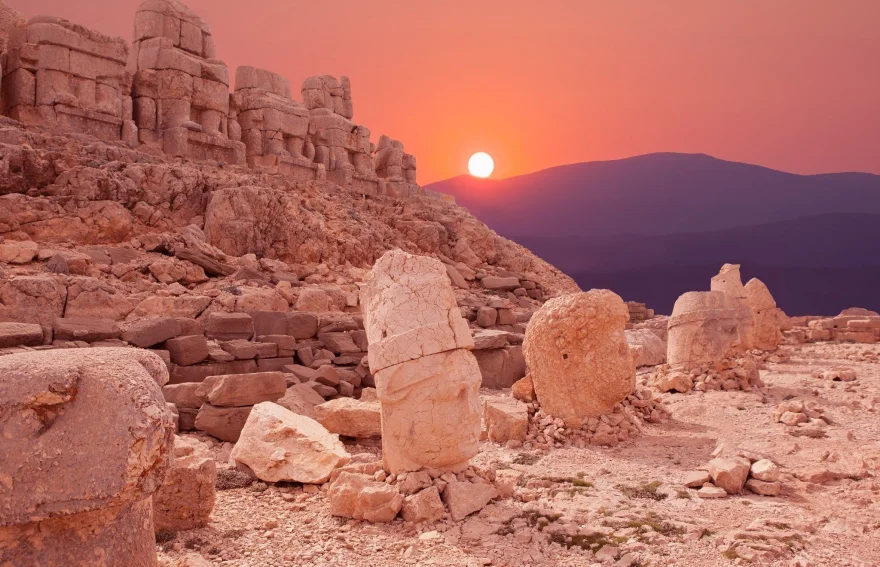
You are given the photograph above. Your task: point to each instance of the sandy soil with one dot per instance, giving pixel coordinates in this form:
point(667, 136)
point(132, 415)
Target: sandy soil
point(622, 506)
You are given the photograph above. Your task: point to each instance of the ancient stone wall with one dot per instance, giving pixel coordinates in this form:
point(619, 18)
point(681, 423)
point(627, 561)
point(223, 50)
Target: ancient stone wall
point(62, 75)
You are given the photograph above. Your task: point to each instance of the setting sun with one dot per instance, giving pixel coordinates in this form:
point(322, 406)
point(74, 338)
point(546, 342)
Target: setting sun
point(481, 164)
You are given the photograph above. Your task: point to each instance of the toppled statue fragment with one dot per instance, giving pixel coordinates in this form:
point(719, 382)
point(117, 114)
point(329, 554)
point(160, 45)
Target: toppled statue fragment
point(707, 326)
point(427, 381)
point(85, 440)
point(578, 357)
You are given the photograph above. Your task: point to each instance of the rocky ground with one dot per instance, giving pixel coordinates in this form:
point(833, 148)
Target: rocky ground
point(623, 506)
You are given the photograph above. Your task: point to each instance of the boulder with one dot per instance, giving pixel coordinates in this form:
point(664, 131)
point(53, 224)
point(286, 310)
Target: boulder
point(763, 488)
point(506, 419)
point(92, 506)
point(350, 417)
point(360, 497)
point(524, 389)
point(577, 355)
point(647, 348)
point(231, 390)
point(729, 473)
point(426, 379)
point(35, 299)
point(465, 498)
point(501, 368)
point(21, 252)
point(765, 470)
point(279, 445)
point(302, 325)
point(423, 506)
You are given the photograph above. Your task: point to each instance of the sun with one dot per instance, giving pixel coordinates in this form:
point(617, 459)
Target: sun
point(481, 164)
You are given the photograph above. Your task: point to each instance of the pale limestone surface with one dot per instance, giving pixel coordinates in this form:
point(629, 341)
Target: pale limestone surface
point(578, 357)
point(729, 281)
point(279, 445)
point(768, 317)
point(707, 326)
point(426, 380)
point(90, 506)
point(350, 417)
point(360, 497)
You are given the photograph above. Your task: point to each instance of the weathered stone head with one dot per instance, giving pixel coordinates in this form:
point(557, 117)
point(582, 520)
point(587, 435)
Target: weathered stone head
point(578, 357)
point(426, 379)
point(86, 439)
point(707, 326)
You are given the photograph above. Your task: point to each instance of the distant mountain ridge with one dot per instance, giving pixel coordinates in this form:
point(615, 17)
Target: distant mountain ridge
point(682, 216)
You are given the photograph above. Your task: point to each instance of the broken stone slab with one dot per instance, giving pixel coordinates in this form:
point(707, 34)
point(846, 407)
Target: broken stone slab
point(576, 351)
point(231, 390)
point(92, 506)
point(185, 395)
point(20, 334)
point(350, 417)
point(338, 343)
point(88, 329)
point(764, 488)
point(465, 498)
point(223, 423)
point(150, 332)
point(485, 339)
point(302, 325)
point(360, 497)
point(301, 399)
point(279, 445)
point(499, 283)
point(729, 473)
point(423, 506)
point(186, 498)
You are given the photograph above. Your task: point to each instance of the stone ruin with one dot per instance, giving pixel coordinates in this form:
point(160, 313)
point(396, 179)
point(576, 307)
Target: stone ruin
point(67, 77)
point(274, 127)
point(427, 380)
point(86, 441)
point(181, 92)
point(170, 92)
point(577, 354)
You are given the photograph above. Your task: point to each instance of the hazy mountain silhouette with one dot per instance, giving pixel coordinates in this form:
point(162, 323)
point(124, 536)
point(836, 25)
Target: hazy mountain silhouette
point(652, 227)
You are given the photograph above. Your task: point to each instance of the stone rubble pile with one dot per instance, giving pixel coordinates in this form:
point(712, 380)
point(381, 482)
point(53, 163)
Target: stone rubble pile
point(728, 374)
point(730, 474)
point(802, 418)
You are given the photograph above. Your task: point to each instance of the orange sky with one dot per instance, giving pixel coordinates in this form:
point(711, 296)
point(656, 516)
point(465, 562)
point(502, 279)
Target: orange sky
point(790, 84)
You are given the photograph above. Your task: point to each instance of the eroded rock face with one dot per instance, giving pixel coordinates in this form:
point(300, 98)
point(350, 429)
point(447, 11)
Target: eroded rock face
point(707, 326)
point(768, 317)
point(427, 381)
point(90, 506)
point(729, 281)
point(279, 445)
point(577, 354)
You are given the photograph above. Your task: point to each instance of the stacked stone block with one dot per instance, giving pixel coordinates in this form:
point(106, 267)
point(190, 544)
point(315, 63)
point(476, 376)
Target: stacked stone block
point(181, 92)
point(65, 76)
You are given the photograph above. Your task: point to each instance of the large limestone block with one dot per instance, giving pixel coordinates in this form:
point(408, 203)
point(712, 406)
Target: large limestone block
point(32, 300)
point(430, 412)
point(707, 326)
point(360, 497)
point(279, 445)
point(410, 310)
point(186, 499)
point(768, 318)
point(507, 419)
point(301, 399)
point(647, 348)
point(350, 417)
point(222, 423)
point(17, 334)
point(577, 355)
point(88, 506)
